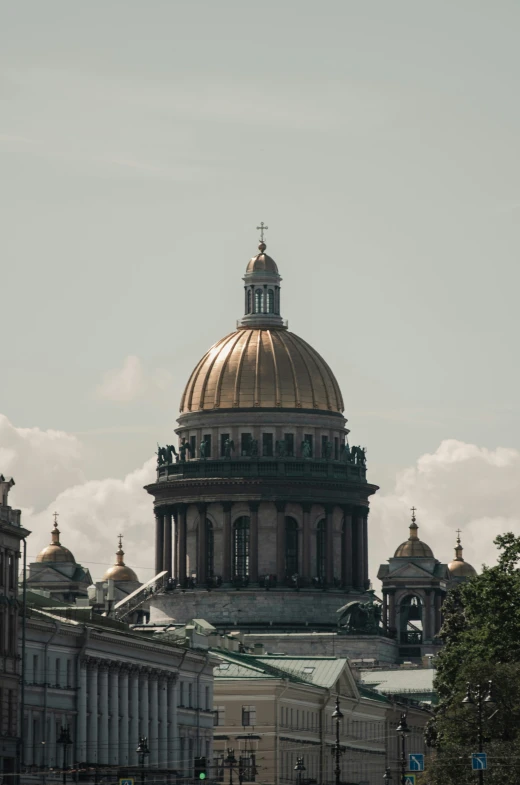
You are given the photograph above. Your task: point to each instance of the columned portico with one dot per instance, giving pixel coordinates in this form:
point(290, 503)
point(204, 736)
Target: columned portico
point(253, 541)
point(167, 548)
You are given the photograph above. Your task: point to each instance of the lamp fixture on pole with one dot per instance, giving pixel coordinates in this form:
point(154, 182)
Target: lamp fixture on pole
point(402, 731)
point(64, 738)
point(299, 768)
point(337, 716)
point(480, 698)
point(142, 751)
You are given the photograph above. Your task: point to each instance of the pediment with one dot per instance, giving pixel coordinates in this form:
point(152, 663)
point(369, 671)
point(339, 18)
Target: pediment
point(410, 570)
point(48, 575)
point(347, 684)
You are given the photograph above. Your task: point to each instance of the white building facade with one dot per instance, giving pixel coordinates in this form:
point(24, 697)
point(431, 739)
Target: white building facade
point(110, 686)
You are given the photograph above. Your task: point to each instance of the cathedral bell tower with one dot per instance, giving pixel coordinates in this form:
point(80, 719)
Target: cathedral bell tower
point(261, 496)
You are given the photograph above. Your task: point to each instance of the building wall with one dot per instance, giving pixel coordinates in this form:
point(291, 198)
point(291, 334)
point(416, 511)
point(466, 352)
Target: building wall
point(110, 687)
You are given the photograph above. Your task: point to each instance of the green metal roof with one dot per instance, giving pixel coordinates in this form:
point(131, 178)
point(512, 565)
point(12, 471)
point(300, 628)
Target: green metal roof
point(321, 671)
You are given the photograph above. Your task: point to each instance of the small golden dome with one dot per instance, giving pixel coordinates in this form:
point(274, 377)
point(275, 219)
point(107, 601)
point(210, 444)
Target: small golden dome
point(262, 263)
point(458, 567)
point(119, 571)
point(262, 368)
point(55, 552)
point(414, 547)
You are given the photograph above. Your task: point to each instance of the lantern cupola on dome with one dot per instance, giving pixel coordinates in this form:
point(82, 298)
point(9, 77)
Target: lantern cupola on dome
point(458, 567)
point(413, 547)
point(119, 571)
point(55, 551)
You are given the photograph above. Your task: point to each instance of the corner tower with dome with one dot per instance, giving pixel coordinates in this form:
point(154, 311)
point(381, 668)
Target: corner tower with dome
point(262, 505)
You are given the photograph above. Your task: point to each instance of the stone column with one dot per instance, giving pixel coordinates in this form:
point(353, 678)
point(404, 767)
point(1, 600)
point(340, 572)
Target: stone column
point(306, 543)
point(134, 716)
point(358, 550)
point(385, 609)
point(226, 543)
point(438, 612)
point(201, 545)
point(113, 738)
point(29, 741)
point(167, 544)
point(143, 703)
point(428, 616)
point(329, 567)
point(159, 541)
point(103, 737)
point(392, 624)
point(81, 717)
point(92, 687)
point(181, 523)
point(366, 576)
point(154, 719)
point(163, 722)
point(125, 713)
point(280, 542)
point(253, 542)
point(173, 733)
point(347, 548)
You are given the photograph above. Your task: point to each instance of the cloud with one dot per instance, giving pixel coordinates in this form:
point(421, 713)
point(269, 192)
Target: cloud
point(458, 486)
point(132, 381)
point(94, 513)
point(42, 462)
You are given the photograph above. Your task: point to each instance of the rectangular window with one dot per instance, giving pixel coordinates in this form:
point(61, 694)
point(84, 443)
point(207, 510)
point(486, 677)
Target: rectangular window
point(289, 444)
point(223, 439)
point(58, 674)
point(193, 446)
point(220, 715)
point(207, 439)
point(181, 693)
point(248, 716)
point(336, 448)
point(190, 695)
point(267, 445)
point(35, 668)
point(324, 442)
point(307, 437)
point(207, 703)
point(12, 563)
point(245, 443)
point(69, 673)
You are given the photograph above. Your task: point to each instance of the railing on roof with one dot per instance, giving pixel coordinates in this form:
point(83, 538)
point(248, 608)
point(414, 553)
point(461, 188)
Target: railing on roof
point(305, 468)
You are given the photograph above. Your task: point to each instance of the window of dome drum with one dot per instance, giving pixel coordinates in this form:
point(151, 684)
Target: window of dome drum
point(241, 548)
point(291, 547)
point(267, 445)
point(224, 437)
point(321, 549)
point(210, 550)
point(289, 444)
point(245, 443)
point(207, 439)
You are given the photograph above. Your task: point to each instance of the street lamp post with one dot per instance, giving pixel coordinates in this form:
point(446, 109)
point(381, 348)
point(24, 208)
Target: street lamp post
point(231, 760)
point(142, 751)
point(337, 716)
point(402, 731)
point(480, 698)
point(64, 739)
point(299, 768)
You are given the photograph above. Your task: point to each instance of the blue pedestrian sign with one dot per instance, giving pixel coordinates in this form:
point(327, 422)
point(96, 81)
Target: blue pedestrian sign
point(416, 761)
point(478, 761)
point(409, 779)
point(127, 781)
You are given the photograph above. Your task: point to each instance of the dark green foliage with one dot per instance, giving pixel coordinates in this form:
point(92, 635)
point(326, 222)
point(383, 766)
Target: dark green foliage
point(481, 633)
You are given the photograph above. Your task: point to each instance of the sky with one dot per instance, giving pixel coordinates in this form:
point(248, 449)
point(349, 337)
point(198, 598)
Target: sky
point(140, 146)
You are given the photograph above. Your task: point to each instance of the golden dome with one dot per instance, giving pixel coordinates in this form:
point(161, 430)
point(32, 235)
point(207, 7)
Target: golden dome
point(119, 571)
point(262, 368)
point(414, 548)
point(262, 263)
point(55, 552)
point(458, 567)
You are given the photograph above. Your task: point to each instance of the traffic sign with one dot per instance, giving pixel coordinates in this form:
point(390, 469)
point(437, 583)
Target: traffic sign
point(416, 761)
point(127, 781)
point(409, 779)
point(478, 761)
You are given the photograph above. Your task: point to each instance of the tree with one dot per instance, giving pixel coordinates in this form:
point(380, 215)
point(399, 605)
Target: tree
point(481, 635)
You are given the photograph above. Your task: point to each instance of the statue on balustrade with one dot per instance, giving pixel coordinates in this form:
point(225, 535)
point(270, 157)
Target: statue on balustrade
point(165, 455)
point(363, 618)
point(229, 447)
point(358, 456)
point(346, 455)
point(203, 446)
point(281, 449)
point(326, 451)
point(183, 449)
point(306, 449)
point(253, 448)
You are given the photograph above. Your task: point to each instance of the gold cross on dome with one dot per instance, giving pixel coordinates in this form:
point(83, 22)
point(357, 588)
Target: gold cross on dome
point(120, 541)
point(262, 228)
point(459, 532)
point(414, 510)
point(56, 514)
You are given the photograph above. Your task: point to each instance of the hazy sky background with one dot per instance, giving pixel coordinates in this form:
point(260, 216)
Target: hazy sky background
point(141, 144)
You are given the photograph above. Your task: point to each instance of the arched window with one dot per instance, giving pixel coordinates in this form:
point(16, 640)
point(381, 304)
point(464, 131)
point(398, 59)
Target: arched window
point(291, 547)
point(241, 548)
point(270, 301)
point(411, 620)
point(249, 301)
point(258, 301)
point(321, 549)
point(210, 550)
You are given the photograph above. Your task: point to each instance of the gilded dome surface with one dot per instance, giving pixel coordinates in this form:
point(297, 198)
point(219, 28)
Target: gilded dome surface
point(55, 553)
point(461, 569)
point(414, 547)
point(262, 263)
point(264, 368)
point(120, 572)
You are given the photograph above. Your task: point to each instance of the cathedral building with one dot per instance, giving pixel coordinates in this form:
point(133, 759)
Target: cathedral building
point(262, 508)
